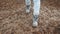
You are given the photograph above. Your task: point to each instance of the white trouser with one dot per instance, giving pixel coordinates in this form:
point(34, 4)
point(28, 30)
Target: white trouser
point(36, 8)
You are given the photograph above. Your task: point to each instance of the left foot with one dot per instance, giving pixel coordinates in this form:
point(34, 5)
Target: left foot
point(27, 8)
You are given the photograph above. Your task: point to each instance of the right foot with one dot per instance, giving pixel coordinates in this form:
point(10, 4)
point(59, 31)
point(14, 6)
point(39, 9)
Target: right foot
point(35, 24)
point(35, 20)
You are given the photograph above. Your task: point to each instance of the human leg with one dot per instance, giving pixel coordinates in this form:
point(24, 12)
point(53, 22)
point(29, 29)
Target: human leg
point(28, 3)
point(36, 12)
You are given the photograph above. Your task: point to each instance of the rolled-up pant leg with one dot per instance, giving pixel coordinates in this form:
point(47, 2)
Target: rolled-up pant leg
point(28, 3)
point(36, 8)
